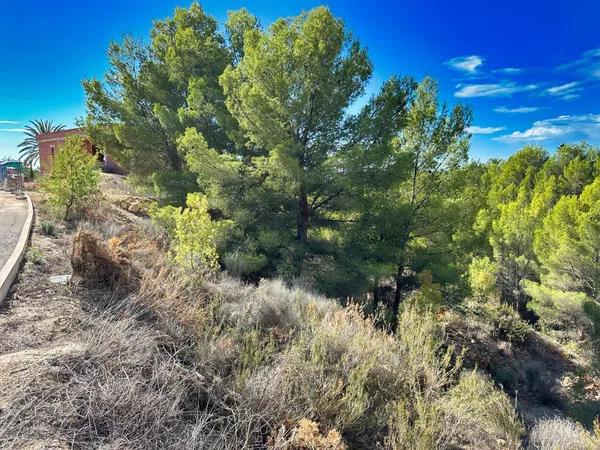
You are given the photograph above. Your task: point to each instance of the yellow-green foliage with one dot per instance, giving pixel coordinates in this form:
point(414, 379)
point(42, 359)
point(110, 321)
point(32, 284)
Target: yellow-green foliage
point(483, 415)
point(256, 349)
point(73, 178)
point(556, 309)
point(568, 242)
point(165, 218)
point(482, 277)
point(194, 233)
point(415, 419)
point(506, 322)
point(342, 371)
point(283, 355)
point(427, 365)
point(472, 414)
point(345, 374)
point(568, 316)
point(429, 295)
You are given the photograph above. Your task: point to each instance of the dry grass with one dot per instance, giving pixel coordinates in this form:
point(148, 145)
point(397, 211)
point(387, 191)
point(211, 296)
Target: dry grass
point(484, 417)
point(121, 390)
point(101, 264)
point(176, 360)
point(564, 434)
point(270, 305)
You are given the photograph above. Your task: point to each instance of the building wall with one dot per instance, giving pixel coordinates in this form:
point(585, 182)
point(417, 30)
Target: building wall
point(49, 144)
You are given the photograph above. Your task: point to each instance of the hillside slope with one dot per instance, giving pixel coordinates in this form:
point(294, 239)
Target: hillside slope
point(138, 355)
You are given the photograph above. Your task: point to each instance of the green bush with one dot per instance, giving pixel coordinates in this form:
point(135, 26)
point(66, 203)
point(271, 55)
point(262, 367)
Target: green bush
point(417, 425)
point(506, 323)
point(429, 294)
point(557, 310)
point(482, 277)
point(347, 375)
point(34, 255)
point(194, 234)
point(483, 415)
point(243, 264)
point(333, 373)
point(74, 177)
point(48, 228)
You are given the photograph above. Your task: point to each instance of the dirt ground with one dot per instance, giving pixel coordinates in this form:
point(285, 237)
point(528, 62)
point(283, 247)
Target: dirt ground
point(40, 321)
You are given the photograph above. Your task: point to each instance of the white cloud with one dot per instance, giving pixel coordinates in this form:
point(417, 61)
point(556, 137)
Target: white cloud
point(13, 130)
point(557, 90)
point(8, 122)
point(570, 96)
point(509, 70)
point(565, 127)
point(537, 132)
point(588, 64)
point(483, 130)
point(566, 91)
point(491, 89)
point(519, 110)
point(467, 64)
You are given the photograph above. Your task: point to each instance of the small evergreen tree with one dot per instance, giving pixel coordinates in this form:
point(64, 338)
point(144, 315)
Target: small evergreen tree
point(74, 177)
point(568, 242)
point(194, 234)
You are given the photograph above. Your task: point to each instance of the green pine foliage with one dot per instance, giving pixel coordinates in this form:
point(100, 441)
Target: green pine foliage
point(267, 163)
point(258, 130)
point(74, 177)
point(193, 232)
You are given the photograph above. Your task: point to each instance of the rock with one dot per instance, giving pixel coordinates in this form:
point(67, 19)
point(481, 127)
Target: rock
point(60, 279)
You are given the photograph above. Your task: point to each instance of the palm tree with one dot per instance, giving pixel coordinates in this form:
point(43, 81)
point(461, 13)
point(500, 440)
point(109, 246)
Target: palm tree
point(30, 151)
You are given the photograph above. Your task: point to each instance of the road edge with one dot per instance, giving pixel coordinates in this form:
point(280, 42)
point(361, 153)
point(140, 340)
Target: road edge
point(9, 272)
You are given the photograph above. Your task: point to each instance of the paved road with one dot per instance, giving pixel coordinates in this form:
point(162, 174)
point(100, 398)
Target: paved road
point(13, 212)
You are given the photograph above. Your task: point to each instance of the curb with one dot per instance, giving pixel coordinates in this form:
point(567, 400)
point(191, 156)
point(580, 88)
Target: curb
point(8, 273)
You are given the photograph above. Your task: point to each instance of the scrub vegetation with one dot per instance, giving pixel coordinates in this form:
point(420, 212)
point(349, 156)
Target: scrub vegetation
point(315, 270)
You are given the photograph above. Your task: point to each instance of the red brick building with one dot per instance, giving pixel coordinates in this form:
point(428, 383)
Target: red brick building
point(49, 144)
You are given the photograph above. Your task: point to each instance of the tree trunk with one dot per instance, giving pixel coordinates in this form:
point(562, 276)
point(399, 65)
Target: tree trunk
point(174, 158)
point(304, 214)
point(397, 295)
point(376, 296)
point(303, 217)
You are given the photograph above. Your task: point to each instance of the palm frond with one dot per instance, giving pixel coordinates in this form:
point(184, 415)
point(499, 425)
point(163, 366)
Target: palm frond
point(29, 151)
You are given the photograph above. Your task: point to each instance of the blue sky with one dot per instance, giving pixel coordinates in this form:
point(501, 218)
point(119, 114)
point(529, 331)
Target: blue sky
point(530, 69)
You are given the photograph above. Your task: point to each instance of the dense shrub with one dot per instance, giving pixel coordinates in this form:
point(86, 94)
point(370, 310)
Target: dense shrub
point(429, 294)
point(194, 234)
point(47, 228)
point(506, 322)
point(563, 434)
point(269, 305)
point(186, 361)
point(482, 277)
point(311, 368)
point(483, 416)
point(74, 177)
point(558, 310)
point(340, 373)
point(571, 317)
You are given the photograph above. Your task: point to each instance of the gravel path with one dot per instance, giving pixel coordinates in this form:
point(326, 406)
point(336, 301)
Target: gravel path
point(13, 212)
